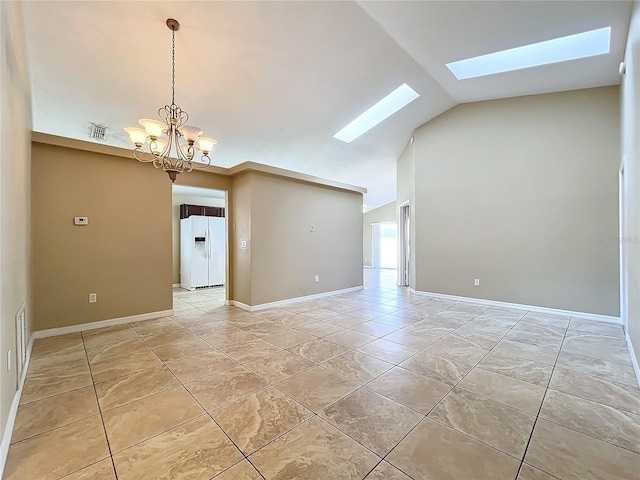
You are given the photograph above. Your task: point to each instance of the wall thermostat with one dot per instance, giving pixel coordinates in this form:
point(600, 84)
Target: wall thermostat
point(81, 220)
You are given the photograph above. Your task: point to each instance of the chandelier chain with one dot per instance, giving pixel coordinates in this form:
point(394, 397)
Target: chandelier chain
point(173, 67)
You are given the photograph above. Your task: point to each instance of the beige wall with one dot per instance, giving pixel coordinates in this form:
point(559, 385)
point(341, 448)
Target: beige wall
point(15, 141)
point(123, 254)
point(240, 230)
point(521, 193)
point(286, 255)
point(177, 200)
point(631, 150)
point(385, 213)
point(406, 192)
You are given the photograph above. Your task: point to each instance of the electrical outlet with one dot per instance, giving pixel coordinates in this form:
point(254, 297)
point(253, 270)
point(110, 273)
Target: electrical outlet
point(317, 278)
point(476, 282)
point(9, 361)
point(93, 297)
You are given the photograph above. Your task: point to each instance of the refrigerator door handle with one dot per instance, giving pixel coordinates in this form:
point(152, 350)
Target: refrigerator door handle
point(209, 236)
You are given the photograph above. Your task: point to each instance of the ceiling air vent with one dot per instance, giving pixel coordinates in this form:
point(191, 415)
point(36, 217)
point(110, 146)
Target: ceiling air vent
point(98, 132)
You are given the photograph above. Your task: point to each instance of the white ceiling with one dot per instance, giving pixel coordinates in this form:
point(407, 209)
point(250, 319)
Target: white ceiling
point(273, 81)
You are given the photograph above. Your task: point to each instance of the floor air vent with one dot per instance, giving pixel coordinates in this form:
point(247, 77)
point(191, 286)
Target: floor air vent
point(21, 340)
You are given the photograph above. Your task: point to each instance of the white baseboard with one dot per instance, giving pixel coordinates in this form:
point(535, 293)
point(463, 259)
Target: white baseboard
point(13, 411)
point(288, 301)
point(176, 285)
point(531, 308)
point(634, 359)
point(100, 324)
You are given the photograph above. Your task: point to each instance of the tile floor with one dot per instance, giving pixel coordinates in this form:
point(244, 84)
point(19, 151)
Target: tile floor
point(377, 384)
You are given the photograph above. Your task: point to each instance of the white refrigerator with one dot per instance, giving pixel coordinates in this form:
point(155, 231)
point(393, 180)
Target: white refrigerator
point(202, 252)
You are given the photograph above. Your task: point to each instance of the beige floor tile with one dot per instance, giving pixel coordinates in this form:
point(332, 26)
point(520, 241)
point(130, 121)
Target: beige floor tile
point(99, 331)
point(441, 369)
point(553, 331)
point(435, 452)
point(372, 420)
point(519, 368)
point(535, 335)
point(350, 338)
point(156, 325)
point(197, 450)
point(184, 349)
point(189, 322)
point(570, 455)
point(622, 397)
point(410, 389)
point(104, 338)
point(265, 328)
point(612, 349)
point(596, 367)
point(518, 394)
point(427, 328)
point(42, 385)
point(257, 419)
point(385, 471)
point(314, 451)
point(535, 353)
point(124, 365)
point(319, 314)
point(357, 367)
point(411, 339)
point(224, 387)
point(53, 412)
point(600, 421)
point(192, 368)
point(137, 421)
point(317, 388)
point(249, 351)
point(212, 327)
point(121, 390)
point(240, 471)
point(491, 327)
point(288, 338)
point(600, 328)
point(274, 313)
point(103, 470)
point(275, 368)
point(345, 320)
point(107, 352)
point(57, 338)
point(495, 424)
point(228, 338)
point(459, 348)
point(318, 350)
point(59, 452)
point(319, 328)
point(388, 351)
point(288, 319)
point(57, 363)
point(172, 336)
point(527, 472)
point(244, 320)
point(70, 345)
point(374, 329)
point(547, 319)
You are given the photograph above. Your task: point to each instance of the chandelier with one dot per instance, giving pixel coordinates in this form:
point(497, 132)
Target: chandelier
point(171, 143)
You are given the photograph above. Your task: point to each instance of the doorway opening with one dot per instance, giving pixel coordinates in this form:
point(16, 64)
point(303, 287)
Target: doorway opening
point(622, 245)
point(385, 245)
point(404, 252)
point(200, 247)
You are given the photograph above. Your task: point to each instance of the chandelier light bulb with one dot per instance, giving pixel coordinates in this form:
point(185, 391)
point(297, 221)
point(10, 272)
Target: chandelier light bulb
point(191, 134)
point(157, 146)
point(138, 135)
point(207, 144)
point(153, 128)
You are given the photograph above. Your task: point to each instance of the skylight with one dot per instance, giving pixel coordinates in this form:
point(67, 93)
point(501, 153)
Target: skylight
point(581, 45)
point(399, 98)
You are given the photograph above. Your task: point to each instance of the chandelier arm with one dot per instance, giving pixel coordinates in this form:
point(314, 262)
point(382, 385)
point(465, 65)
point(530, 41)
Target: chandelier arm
point(138, 151)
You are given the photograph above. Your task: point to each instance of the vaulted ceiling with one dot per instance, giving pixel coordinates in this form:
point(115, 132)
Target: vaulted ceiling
point(273, 81)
